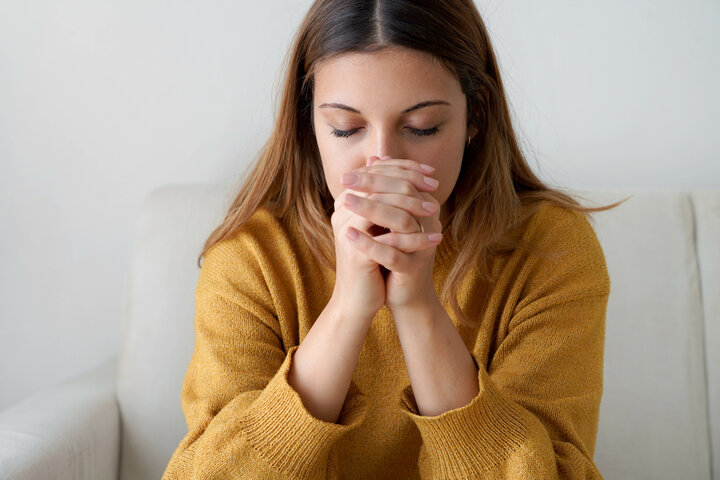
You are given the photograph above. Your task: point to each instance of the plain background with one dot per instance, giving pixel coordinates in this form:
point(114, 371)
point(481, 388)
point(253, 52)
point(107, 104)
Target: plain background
point(102, 102)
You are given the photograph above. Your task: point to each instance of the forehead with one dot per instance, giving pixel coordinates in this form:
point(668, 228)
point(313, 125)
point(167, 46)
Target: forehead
point(398, 69)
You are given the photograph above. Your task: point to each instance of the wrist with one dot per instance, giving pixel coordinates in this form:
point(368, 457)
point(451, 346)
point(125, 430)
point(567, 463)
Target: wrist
point(346, 312)
point(423, 310)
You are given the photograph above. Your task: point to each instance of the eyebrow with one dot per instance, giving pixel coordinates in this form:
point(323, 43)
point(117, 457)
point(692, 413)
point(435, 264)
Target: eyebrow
point(407, 110)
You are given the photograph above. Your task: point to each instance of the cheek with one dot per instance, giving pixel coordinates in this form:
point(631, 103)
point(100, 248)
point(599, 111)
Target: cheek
point(447, 165)
point(336, 159)
point(328, 172)
point(332, 170)
point(445, 157)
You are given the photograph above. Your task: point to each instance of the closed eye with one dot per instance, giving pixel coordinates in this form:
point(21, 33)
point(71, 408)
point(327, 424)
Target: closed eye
point(415, 131)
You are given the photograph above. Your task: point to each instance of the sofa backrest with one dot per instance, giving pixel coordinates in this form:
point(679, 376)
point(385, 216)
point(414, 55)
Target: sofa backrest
point(172, 225)
point(653, 415)
point(654, 411)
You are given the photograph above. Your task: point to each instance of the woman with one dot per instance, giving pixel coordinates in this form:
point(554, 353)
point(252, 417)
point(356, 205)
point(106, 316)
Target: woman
point(323, 349)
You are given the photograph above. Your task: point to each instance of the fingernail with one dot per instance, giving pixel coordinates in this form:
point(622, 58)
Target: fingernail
point(349, 179)
point(429, 206)
point(435, 237)
point(427, 168)
point(431, 181)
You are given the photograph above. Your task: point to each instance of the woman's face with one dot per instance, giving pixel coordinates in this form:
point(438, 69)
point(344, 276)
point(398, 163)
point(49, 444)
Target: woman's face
point(378, 98)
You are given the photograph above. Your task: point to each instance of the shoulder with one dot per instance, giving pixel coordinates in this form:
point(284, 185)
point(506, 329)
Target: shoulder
point(248, 254)
point(571, 244)
point(260, 232)
point(561, 227)
point(236, 274)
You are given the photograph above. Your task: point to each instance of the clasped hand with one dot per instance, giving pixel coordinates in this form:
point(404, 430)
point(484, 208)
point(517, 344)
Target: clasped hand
point(393, 195)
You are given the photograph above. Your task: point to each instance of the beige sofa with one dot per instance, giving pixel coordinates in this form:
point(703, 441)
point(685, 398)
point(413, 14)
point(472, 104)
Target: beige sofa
point(660, 413)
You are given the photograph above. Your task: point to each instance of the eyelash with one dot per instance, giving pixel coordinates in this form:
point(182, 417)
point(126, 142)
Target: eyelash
point(416, 131)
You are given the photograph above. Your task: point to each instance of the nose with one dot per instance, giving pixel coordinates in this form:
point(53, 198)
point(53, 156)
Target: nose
point(385, 141)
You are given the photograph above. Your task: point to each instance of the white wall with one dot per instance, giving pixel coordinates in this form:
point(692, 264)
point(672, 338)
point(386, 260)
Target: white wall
point(101, 102)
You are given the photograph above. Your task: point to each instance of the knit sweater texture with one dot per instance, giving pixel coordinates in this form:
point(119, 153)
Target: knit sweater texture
point(539, 344)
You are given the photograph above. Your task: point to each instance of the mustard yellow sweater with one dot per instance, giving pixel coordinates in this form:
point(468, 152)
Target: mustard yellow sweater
point(540, 346)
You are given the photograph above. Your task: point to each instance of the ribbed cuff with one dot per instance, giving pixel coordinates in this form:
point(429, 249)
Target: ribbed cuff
point(471, 439)
point(289, 437)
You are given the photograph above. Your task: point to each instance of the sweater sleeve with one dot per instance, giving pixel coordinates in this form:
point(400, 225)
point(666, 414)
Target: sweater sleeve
point(244, 420)
point(536, 413)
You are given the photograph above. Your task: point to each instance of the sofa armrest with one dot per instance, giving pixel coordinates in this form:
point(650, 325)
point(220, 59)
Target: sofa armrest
point(68, 431)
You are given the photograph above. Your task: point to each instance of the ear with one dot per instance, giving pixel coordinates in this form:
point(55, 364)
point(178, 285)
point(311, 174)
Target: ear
point(472, 131)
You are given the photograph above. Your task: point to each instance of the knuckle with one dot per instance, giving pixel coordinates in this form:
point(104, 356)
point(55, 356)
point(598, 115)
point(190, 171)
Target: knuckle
point(339, 200)
point(393, 257)
point(408, 223)
point(391, 241)
point(407, 188)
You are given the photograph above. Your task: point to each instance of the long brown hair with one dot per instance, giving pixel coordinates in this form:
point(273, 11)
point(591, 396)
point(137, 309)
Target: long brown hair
point(495, 180)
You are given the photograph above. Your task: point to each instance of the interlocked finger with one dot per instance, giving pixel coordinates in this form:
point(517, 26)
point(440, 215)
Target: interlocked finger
point(392, 211)
point(409, 242)
point(404, 163)
point(407, 182)
point(391, 250)
point(345, 216)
